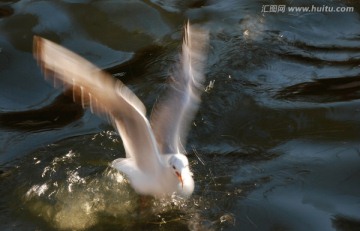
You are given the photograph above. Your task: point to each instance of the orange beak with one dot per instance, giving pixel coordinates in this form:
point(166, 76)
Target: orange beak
point(180, 179)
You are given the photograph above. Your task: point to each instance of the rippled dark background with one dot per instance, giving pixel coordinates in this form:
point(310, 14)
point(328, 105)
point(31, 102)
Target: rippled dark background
point(275, 145)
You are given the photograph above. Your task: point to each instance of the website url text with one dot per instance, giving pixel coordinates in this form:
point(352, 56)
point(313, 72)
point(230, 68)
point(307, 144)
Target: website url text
point(306, 9)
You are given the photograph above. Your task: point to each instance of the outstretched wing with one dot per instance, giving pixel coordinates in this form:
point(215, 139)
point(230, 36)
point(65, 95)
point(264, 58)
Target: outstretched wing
point(104, 95)
point(171, 118)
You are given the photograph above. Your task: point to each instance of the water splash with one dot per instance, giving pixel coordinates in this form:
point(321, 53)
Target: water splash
point(79, 202)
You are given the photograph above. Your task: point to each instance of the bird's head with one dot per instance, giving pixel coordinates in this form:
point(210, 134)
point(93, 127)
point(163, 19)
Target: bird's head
point(180, 167)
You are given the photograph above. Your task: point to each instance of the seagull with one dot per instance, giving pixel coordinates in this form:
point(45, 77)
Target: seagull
point(155, 163)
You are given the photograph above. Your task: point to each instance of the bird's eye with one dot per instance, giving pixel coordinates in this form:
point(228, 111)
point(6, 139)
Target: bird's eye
point(173, 167)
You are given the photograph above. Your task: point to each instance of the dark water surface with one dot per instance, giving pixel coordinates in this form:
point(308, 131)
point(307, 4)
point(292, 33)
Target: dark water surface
point(275, 145)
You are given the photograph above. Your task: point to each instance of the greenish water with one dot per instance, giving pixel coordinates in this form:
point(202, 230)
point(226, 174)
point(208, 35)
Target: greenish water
point(275, 145)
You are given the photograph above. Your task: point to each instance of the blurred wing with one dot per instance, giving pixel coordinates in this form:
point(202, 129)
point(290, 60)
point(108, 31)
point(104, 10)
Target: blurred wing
point(105, 95)
point(172, 117)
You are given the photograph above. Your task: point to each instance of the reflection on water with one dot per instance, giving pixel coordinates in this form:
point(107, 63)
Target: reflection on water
point(275, 145)
point(59, 113)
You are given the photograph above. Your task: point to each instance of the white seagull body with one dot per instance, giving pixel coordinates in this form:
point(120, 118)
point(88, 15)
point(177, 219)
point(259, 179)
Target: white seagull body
point(154, 162)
